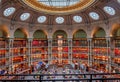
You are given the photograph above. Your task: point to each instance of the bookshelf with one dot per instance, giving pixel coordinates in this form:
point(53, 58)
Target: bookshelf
point(4, 56)
point(100, 50)
point(80, 47)
point(39, 47)
point(60, 48)
point(19, 51)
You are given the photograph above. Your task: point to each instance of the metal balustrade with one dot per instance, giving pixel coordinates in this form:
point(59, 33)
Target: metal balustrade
point(102, 77)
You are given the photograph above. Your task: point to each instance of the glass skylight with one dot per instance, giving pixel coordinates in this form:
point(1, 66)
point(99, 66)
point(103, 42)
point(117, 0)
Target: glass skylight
point(9, 11)
point(109, 10)
point(58, 3)
point(77, 19)
point(94, 15)
point(59, 20)
point(41, 19)
point(24, 16)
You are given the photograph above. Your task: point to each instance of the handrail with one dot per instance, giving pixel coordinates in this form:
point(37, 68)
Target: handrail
point(101, 79)
point(58, 74)
point(90, 79)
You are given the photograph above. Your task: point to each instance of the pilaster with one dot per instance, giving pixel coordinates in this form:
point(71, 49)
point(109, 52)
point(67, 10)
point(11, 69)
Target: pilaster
point(49, 50)
point(10, 53)
point(90, 59)
point(110, 53)
point(70, 50)
point(29, 45)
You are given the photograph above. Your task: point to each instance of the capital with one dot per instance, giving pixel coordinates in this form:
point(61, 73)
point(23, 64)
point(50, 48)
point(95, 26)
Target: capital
point(108, 38)
point(69, 39)
point(10, 39)
point(49, 39)
point(89, 39)
point(30, 39)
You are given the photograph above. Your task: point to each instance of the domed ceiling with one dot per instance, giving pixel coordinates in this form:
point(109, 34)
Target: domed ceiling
point(59, 12)
point(59, 6)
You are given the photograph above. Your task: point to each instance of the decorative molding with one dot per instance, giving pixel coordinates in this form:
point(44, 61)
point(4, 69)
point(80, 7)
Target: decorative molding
point(50, 30)
point(31, 27)
point(12, 24)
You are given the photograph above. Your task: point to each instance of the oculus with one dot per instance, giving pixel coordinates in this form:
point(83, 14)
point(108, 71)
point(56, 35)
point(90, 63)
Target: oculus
point(94, 15)
point(77, 19)
point(24, 16)
point(41, 19)
point(109, 10)
point(9, 11)
point(59, 20)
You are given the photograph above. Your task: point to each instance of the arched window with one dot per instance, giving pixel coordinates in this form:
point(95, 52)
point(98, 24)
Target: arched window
point(100, 33)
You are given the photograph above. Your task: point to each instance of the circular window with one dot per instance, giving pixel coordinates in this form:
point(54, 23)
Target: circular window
point(59, 20)
point(9, 11)
point(77, 19)
point(109, 10)
point(41, 19)
point(24, 16)
point(94, 15)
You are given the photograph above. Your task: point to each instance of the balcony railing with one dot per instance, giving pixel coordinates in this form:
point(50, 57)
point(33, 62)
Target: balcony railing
point(100, 77)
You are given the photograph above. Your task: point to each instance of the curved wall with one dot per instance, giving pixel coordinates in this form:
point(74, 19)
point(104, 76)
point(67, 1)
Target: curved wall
point(108, 25)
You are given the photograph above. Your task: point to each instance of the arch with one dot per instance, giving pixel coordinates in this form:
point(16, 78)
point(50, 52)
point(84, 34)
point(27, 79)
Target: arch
point(20, 33)
point(39, 34)
point(99, 33)
point(80, 34)
point(115, 31)
point(59, 32)
point(4, 33)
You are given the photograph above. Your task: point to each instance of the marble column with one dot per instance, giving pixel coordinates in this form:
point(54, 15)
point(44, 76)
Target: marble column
point(10, 52)
point(49, 50)
point(29, 45)
point(70, 50)
point(89, 51)
point(110, 53)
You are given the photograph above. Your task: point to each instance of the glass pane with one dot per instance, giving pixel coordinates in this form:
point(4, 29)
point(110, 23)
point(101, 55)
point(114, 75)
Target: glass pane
point(58, 3)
